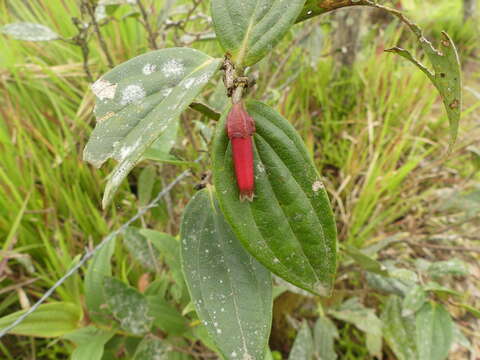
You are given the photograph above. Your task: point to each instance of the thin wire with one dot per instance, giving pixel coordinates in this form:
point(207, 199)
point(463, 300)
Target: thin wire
point(90, 253)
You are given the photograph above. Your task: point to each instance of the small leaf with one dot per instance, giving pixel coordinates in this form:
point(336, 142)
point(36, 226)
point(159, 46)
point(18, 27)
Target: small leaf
point(165, 316)
point(137, 101)
point(141, 248)
point(325, 334)
point(49, 320)
point(434, 333)
point(289, 226)
point(353, 312)
point(398, 331)
point(448, 267)
point(98, 268)
point(365, 261)
point(249, 29)
point(146, 181)
point(169, 250)
point(128, 306)
point(413, 301)
point(29, 32)
point(90, 342)
point(151, 348)
point(205, 110)
point(232, 293)
point(303, 345)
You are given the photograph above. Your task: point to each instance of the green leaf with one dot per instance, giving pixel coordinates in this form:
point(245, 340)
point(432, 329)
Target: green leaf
point(353, 312)
point(398, 331)
point(141, 248)
point(90, 342)
point(365, 261)
point(249, 29)
point(165, 316)
point(98, 268)
point(231, 291)
point(29, 32)
point(146, 181)
point(434, 332)
point(128, 306)
point(137, 101)
point(413, 300)
point(151, 348)
point(303, 345)
point(49, 320)
point(163, 145)
point(289, 227)
point(324, 335)
point(169, 249)
point(455, 267)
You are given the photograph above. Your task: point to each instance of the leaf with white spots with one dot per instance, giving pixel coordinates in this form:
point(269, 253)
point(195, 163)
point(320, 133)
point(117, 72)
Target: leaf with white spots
point(141, 248)
point(128, 306)
point(29, 32)
point(138, 101)
point(151, 348)
point(303, 346)
point(398, 330)
point(289, 226)
point(434, 332)
point(231, 291)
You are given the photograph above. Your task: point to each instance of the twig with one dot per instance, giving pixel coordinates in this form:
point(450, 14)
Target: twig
point(91, 11)
point(90, 253)
point(81, 40)
point(152, 37)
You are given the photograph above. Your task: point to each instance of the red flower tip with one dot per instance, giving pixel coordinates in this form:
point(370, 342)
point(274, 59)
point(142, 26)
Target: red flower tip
point(240, 128)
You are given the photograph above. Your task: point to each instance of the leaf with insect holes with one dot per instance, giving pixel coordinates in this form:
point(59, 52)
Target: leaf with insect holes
point(29, 32)
point(128, 306)
point(289, 226)
point(49, 320)
point(137, 101)
point(249, 29)
point(446, 74)
point(231, 291)
point(434, 332)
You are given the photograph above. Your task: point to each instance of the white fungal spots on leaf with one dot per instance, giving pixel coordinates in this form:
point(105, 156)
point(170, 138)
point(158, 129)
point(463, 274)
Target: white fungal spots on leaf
point(132, 94)
point(173, 68)
point(148, 69)
point(317, 185)
point(104, 89)
point(166, 92)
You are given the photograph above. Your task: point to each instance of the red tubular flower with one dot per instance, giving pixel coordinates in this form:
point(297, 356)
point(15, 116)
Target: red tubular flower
point(240, 128)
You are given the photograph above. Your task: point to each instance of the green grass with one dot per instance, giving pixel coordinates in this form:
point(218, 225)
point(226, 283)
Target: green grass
point(372, 156)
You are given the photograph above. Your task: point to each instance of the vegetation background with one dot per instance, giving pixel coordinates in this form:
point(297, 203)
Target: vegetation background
point(373, 123)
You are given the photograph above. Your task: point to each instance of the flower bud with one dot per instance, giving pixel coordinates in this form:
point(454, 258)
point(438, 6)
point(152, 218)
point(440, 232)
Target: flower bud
point(240, 128)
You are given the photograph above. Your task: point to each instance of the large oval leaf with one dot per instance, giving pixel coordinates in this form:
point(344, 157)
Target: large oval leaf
point(231, 291)
point(138, 100)
point(289, 227)
point(249, 29)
